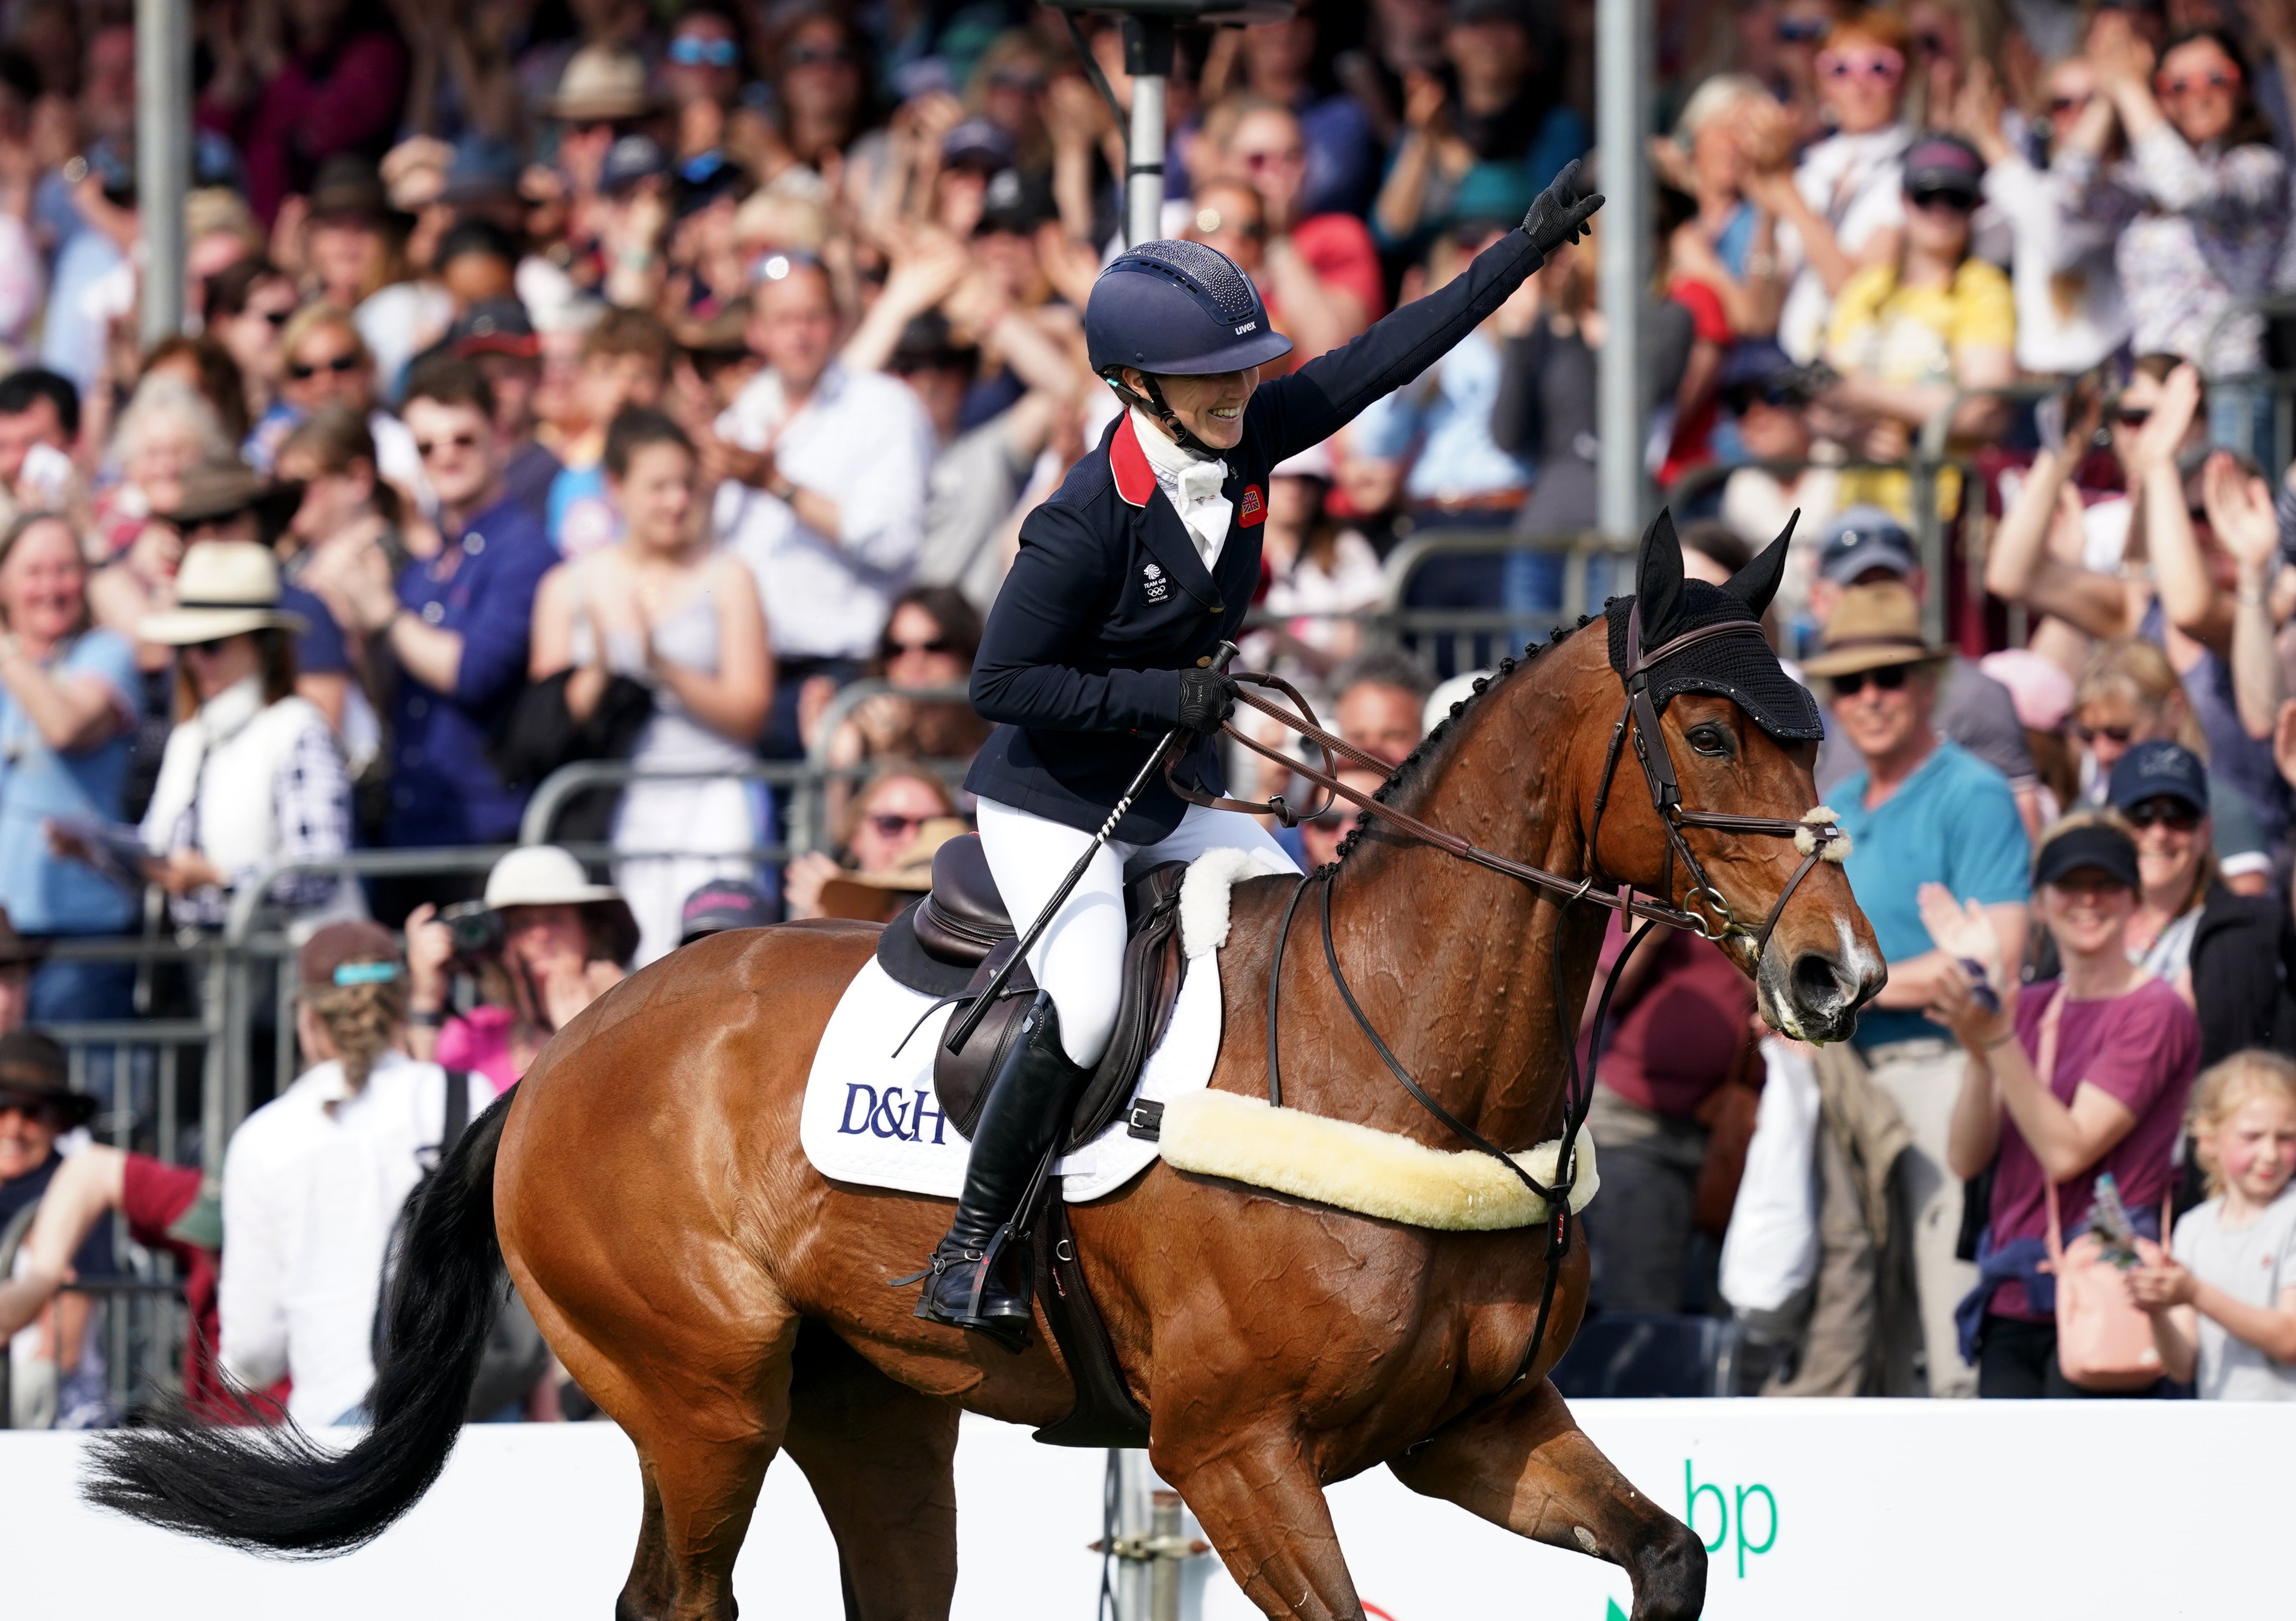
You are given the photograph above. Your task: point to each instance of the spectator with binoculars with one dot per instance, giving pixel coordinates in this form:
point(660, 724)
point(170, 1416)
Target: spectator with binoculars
point(544, 943)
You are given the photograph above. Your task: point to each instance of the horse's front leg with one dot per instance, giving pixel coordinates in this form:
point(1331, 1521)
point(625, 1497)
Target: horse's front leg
point(1526, 1465)
point(1258, 1500)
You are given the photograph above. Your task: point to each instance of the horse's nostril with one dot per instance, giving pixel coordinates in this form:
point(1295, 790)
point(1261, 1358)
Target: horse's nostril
point(1816, 985)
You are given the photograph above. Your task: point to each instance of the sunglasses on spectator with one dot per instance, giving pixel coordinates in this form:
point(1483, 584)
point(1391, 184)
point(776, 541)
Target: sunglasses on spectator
point(2174, 814)
point(1956, 202)
point(208, 648)
point(1882, 66)
point(277, 318)
point(1802, 30)
point(889, 826)
point(939, 644)
point(818, 56)
point(691, 52)
point(1889, 678)
point(1008, 78)
point(303, 371)
point(1288, 158)
point(2214, 79)
point(1930, 42)
point(31, 1105)
point(2060, 105)
point(2089, 734)
point(428, 449)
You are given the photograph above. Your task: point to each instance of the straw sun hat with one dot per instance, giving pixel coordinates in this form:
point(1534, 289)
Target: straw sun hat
point(1875, 626)
point(223, 588)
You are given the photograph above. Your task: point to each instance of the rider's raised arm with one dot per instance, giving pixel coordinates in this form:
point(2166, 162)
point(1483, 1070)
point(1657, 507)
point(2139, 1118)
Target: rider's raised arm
point(1053, 599)
point(1324, 395)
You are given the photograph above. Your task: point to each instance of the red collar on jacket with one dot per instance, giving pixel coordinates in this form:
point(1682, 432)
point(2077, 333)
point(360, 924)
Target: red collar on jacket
point(1135, 480)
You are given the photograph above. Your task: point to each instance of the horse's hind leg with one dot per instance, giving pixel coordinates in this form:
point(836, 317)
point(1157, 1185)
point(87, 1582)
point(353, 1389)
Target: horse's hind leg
point(704, 1431)
point(881, 1458)
point(1527, 1466)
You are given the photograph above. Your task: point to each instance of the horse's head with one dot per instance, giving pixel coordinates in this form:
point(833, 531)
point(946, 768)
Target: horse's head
point(1738, 737)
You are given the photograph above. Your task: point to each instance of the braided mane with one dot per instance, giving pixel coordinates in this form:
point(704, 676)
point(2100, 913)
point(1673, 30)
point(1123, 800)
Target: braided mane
point(1415, 764)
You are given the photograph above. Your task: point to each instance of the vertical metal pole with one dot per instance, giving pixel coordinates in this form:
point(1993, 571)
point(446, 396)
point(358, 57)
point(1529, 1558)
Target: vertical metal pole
point(1148, 60)
point(1622, 55)
point(163, 157)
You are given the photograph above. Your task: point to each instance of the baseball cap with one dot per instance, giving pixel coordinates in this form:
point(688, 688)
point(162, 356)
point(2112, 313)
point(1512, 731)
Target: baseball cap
point(334, 955)
point(2158, 771)
point(978, 141)
point(720, 904)
point(494, 326)
point(1944, 163)
point(1863, 538)
point(2094, 844)
point(1016, 203)
point(629, 161)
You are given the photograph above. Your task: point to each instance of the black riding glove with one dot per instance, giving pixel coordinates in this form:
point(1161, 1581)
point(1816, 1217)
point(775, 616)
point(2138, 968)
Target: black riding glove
point(1559, 214)
point(1207, 698)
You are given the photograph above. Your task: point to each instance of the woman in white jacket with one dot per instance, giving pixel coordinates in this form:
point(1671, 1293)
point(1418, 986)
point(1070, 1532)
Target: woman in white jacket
point(252, 777)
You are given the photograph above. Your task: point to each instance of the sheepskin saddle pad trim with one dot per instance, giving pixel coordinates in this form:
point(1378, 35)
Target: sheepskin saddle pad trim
point(1360, 1168)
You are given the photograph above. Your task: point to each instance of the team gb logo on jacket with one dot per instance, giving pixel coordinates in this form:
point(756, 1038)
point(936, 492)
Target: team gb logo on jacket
point(1159, 588)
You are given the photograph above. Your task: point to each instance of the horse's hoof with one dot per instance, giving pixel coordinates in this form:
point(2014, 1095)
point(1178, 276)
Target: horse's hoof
point(1670, 1577)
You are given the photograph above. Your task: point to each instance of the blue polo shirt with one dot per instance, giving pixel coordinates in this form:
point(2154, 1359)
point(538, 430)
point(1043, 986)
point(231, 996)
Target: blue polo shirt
point(482, 586)
point(1953, 822)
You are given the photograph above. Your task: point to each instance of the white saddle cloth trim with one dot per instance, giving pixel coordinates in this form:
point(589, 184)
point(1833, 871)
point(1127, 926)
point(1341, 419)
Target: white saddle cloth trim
point(1359, 1168)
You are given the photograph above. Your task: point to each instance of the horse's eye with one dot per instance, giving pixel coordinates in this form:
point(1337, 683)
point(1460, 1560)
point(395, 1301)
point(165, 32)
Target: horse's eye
point(1710, 738)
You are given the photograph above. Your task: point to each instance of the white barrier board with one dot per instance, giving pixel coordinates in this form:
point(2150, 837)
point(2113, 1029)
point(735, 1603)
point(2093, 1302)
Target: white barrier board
point(2046, 1511)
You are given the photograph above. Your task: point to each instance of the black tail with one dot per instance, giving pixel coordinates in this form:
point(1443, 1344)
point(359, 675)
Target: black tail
point(272, 1490)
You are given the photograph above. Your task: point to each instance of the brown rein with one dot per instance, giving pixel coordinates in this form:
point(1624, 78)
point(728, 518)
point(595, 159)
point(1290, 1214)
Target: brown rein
point(1658, 771)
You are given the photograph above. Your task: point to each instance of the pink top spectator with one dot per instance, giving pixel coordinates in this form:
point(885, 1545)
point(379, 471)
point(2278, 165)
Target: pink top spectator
point(2142, 1048)
point(480, 1041)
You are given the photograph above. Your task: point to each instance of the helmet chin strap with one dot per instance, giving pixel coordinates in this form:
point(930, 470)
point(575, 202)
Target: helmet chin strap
point(1155, 405)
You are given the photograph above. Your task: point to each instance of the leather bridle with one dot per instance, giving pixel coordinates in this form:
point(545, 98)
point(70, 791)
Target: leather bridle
point(1706, 912)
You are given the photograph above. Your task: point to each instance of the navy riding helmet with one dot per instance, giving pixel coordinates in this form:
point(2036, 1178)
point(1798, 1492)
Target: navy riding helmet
point(1176, 310)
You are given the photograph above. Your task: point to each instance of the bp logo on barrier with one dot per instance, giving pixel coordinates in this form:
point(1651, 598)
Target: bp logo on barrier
point(1730, 1522)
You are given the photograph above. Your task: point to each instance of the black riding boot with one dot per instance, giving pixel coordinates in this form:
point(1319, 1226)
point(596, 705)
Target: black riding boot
point(1028, 1102)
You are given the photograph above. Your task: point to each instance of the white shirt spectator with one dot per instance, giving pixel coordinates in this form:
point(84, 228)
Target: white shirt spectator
point(311, 1187)
point(862, 440)
point(2255, 1264)
point(1856, 181)
point(2070, 311)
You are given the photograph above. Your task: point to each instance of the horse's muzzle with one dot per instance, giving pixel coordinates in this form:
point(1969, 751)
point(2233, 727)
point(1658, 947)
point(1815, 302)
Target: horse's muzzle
point(1815, 995)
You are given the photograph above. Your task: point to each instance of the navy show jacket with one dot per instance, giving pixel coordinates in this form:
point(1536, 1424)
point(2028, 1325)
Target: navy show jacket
point(1109, 598)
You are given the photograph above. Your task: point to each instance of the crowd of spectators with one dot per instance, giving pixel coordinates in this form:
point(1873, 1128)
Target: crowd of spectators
point(604, 382)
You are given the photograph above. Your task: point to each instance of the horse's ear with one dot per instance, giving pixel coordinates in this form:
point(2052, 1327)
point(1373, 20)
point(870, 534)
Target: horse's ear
point(1658, 578)
point(1757, 582)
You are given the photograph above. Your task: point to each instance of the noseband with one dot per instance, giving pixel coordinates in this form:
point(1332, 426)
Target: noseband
point(1705, 911)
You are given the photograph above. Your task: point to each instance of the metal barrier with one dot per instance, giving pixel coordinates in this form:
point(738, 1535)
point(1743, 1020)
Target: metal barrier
point(139, 1327)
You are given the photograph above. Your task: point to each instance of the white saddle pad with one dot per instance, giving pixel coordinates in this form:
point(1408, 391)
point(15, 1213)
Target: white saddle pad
point(871, 1115)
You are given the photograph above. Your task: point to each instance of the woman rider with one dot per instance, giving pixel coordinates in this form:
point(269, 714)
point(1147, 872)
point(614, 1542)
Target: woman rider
point(1102, 641)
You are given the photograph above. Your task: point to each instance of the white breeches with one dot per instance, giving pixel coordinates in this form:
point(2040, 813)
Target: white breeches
point(1080, 959)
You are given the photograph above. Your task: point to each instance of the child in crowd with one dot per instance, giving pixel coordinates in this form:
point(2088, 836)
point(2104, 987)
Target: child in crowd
point(625, 362)
point(2226, 1301)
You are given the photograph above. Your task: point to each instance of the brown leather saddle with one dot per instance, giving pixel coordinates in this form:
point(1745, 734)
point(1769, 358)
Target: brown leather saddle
point(948, 946)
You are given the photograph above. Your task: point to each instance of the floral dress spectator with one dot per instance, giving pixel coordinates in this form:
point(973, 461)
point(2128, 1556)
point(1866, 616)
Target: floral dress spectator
point(69, 698)
point(253, 778)
point(2213, 191)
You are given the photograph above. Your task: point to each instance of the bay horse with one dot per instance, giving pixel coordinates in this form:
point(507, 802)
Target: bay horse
point(725, 1302)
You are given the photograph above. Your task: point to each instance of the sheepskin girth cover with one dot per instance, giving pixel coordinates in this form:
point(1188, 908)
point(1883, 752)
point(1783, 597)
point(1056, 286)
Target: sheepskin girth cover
point(1358, 1169)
